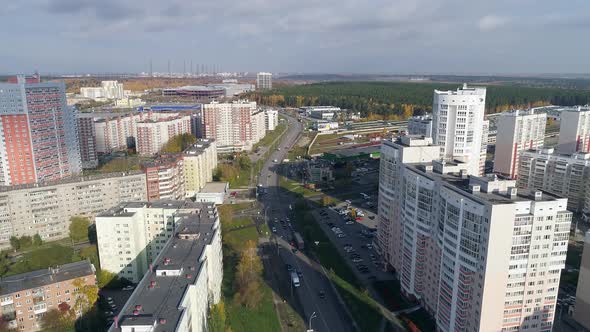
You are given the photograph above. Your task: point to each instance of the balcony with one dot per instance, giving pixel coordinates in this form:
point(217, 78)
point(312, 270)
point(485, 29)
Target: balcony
point(40, 308)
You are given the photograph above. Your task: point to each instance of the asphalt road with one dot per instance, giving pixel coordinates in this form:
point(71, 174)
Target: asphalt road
point(330, 315)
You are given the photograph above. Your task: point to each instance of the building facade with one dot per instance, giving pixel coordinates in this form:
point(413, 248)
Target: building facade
point(165, 178)
point(582, 307)
point(154, 130)
point(559, 174)
point(26, 297)
point(271, 119)
point(87, 137)
point(46, 209)
point(199, 162)
point(39, 133)
point(518, 131)
point(263, 81)
point(420, 125)
point(476, 252)
point(183, 280)
point(234, 126)
point(574, 130)
point(112, 89)
point(457, 125)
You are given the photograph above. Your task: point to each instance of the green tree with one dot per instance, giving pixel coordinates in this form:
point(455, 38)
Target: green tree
point(26, 241)
point(217, 318)
point(55, 320)
point(90, 253)
point(106, 279)
point(15, 243)
point(37, 241)
point(79, 229)
point(244, 162)
point(179, 143)
point(4, 263)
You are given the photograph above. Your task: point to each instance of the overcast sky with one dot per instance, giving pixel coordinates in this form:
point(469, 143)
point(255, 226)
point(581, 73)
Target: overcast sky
point(336, 36)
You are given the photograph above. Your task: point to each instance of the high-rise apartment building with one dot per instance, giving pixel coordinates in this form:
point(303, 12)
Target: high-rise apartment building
point(485, 132)
point(458, 118)
point(112, 89)
point(199, 162)
point(26, 297)
point(87, 138)
point(420, 125)
point(518, 131)
point(183, 280)
point(234, 126)
point(165, 178)
point(582, 307)
point(263, 81)
point(574, 130)
point(271, 119)
point(155, 130)
point(477, 253)
point(39, 133)
point(563, 175)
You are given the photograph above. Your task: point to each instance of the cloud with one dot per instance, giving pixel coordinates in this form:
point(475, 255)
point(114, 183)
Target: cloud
point(492, 22)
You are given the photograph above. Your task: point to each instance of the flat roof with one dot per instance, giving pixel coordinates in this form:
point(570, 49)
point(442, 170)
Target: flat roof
point(40, 278)
point(71, 179)
point(198, 147)
point(214, 187)
point(160, 296)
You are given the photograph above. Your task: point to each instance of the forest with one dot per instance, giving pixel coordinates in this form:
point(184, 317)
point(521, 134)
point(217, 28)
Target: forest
point(398, 100)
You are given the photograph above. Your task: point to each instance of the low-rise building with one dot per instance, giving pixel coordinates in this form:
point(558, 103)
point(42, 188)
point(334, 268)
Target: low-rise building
point(213, 192)
point(323, 125)
point(26, 297)
point(46, 209)
point(420, 126)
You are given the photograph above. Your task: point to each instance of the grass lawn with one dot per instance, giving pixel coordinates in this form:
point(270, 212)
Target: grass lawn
point(241, 222)
point(240, 206)
point(271, 136)
point(294, 187)
point(241, 318)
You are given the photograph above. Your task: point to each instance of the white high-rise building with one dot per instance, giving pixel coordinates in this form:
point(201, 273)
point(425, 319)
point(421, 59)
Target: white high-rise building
point(458, 118)
point(263, 81)
point(476, 252)
point(485, 131)
point(272, 119)
point(562, 175)
point(112, 89)
point(574, 130)
point(518, 131)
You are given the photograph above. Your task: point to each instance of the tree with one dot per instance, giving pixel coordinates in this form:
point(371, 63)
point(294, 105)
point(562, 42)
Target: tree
point(327, 200)
point(244, 162)
point(217, 318)
point(353, 213)
point(14, 243)
point(37, 241)
point(4, 262)
point(105, 278)
point(179, 143)
point(79, 229)
point(90, 253)
point(55, 320)
point(86, 295)
point(248, 277)
point(26, 241)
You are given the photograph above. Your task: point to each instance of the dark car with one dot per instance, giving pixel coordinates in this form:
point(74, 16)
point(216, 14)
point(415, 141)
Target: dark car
point(289, 267)
point(321, 294)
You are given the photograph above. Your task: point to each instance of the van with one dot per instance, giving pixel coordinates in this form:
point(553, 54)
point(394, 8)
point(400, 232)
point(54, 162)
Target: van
point(295, 279)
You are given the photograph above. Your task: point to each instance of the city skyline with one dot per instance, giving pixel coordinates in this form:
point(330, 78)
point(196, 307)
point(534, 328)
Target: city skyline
point(295, 36)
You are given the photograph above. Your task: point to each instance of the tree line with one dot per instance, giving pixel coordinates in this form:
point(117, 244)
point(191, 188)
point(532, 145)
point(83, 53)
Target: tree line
point(398, 100)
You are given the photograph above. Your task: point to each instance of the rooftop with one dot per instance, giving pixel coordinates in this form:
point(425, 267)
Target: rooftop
point(121, 210)
point(491, 188)
point(40, 278)
point(198, 147)
point(462, 91)
point(69, 180)
point(157, 299)
point(214, 187)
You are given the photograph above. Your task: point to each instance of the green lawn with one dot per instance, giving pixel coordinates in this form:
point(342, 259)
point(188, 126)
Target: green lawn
point(241, 318)
point(271, 136)
point(294, 187)
point(240, 206)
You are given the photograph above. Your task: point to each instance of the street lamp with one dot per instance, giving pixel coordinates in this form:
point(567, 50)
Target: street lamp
point(310, 318)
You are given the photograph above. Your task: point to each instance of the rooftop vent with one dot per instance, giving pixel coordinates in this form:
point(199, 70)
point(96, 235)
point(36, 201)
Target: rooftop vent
point(474, 188)
point(538, 195)
point(162, 321)
point(512, 192)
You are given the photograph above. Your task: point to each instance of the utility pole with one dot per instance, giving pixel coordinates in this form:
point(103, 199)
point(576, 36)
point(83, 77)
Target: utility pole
point(151, 69)
point(169, 72)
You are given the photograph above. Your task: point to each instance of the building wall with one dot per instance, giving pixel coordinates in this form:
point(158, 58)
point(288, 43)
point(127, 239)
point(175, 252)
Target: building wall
point(234, 126)
point(518, 131)
point(264, 81)
point(574, 130)
point(271, 119)
point(46, 210)
point(582, 307)
point(457, 124)
point(165, 179)
point(155, 131)
point(199, 164)
point(420, 125)
point(87, 136)
point(28, 305)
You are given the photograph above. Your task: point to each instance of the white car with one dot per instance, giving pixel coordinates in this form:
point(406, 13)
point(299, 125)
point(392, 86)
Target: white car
point(128, 288)
point(341, 235)
point(348, 201)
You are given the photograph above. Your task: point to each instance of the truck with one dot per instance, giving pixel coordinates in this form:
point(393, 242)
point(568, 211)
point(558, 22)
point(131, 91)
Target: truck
point(299, 241)
point(295, 279)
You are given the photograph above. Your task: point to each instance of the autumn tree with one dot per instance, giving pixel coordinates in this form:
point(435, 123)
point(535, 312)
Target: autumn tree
point(56, 320)
point(327, 200)
point(217, 318)
point(86, 295)
point(248, 277)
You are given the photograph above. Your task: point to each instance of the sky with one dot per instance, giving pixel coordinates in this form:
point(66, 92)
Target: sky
point(309, 36)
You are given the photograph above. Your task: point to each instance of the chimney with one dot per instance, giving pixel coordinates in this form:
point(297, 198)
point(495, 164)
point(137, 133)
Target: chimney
point(538, 195)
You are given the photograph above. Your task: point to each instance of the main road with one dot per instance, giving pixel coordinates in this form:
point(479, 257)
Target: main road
point(328, 312)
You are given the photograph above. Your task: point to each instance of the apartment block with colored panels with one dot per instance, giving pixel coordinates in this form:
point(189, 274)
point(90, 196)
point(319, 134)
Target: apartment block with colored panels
point(39, 133)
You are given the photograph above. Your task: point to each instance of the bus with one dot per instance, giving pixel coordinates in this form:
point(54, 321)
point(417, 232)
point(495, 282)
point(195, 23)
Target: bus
point(295, 279)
